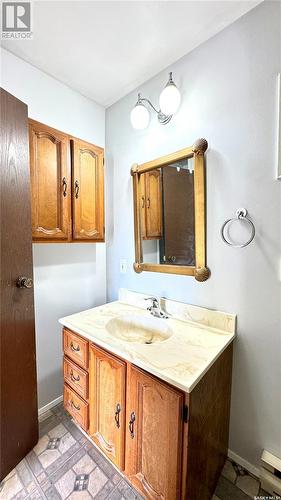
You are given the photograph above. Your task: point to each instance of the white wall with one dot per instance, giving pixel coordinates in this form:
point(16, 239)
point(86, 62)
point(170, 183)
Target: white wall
point(68, 277)
point(229, 96)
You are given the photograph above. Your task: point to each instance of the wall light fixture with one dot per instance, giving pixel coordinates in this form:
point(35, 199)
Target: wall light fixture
point(169, 102)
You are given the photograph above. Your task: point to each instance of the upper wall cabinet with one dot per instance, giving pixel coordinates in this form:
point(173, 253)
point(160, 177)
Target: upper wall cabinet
point(88, 191)
point(50, 183)
point(67, 184)
point(151, 203)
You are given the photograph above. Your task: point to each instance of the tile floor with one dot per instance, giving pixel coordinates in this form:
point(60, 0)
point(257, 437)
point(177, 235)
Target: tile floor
point(65, 465)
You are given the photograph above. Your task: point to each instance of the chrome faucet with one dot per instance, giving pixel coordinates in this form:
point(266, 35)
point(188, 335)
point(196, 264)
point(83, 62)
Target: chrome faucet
point(155, 308)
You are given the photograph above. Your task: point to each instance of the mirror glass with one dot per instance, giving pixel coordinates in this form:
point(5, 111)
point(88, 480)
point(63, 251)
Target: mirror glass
point(167, 214)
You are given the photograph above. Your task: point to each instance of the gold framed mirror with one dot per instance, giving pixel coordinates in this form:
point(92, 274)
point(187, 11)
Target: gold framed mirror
point(170, 213)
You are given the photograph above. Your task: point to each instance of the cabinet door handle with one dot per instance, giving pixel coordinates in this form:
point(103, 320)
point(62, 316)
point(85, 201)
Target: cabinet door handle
point(64, 185)
point(142, 202)
point(132, 424)
point(73, 378)
point(73, 348)
point(117, 415)
point(74, 406)
point(76, 187)
point(148, 203)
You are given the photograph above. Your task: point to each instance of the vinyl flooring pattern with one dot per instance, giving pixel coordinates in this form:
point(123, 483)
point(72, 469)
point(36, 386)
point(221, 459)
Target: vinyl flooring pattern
point(65, 465)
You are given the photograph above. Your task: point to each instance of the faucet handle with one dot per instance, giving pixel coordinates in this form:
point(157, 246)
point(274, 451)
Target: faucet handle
point(155, 301)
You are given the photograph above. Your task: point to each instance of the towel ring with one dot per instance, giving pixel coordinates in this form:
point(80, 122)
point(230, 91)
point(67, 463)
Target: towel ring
point(241, 214)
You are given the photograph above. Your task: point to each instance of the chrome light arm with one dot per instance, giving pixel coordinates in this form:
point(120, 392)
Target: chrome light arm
point(162, 118)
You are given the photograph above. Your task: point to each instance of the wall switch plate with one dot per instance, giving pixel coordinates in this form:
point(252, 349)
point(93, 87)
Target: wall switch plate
point(123, 266)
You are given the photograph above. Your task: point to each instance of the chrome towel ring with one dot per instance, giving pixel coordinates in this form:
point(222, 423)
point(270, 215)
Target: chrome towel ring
point(241, 214)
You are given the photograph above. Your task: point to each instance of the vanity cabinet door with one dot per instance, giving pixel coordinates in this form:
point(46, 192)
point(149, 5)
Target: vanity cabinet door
point(153, 204)
point(154, 433)
point(50, 183)
point(107, 404)
point(88, 191)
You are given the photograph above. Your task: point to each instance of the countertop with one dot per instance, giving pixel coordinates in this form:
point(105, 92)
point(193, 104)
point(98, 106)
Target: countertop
point(180, 360)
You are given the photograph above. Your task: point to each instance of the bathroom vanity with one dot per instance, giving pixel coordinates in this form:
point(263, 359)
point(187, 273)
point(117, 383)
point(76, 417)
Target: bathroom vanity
point(153, 393)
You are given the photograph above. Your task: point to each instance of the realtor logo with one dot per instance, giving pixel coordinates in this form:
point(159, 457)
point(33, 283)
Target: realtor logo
point(16, 20)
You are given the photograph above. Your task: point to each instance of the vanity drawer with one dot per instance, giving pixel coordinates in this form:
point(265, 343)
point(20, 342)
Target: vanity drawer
point(76, 348)
point(77, 378)
point(76, 406)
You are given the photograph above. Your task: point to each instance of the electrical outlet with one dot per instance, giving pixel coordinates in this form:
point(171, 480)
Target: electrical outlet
point(123, 266)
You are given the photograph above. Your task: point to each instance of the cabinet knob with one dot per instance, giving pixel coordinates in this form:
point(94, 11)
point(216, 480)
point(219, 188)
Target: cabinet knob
point(24, 282)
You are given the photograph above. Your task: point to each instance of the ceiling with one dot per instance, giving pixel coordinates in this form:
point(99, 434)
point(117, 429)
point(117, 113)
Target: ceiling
point(106, 49)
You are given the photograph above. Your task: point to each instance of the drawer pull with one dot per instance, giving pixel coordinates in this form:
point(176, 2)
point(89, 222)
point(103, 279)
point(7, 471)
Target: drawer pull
point(73, 378)
point(117, 415)
point(73, 348)
point(132, 424)
point(74, 406)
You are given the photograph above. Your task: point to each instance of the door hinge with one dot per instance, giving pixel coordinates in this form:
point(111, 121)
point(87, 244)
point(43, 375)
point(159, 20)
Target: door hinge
point(185, 413)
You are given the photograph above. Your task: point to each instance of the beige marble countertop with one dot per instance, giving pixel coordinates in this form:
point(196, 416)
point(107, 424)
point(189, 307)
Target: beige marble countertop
point(180, 360)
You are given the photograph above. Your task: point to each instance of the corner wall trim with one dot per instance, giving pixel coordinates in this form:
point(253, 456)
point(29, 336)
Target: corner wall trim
point(241, 461)
point(49, 405)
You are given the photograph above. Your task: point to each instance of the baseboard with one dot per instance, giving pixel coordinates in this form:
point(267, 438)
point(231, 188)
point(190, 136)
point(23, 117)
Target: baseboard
point(241, 461)
point(49, 405)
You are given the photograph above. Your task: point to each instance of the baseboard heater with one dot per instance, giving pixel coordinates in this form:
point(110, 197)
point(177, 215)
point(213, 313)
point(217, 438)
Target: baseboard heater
point(270, 473)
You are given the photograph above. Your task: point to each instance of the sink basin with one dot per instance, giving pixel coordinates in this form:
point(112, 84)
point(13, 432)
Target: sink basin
point(139, 329)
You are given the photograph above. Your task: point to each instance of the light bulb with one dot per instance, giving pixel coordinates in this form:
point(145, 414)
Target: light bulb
point(140, 117)
point(170, 98)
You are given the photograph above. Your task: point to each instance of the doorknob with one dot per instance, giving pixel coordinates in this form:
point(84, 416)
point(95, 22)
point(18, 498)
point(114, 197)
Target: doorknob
point(24, 282)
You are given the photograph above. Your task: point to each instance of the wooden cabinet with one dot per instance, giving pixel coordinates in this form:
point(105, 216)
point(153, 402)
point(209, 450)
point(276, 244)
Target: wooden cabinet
point(151, 205)
point(154, 436)
point(107, 404)
point(170, 444)
point(88, 191)
point(76, 406)
point(67, 185)
point(76, 348)
point(50, 183)
point(76, 378)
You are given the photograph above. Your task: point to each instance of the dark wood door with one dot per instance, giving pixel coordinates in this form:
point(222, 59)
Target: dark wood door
point(154, 434)
point(18, 396)
point(107, 404)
